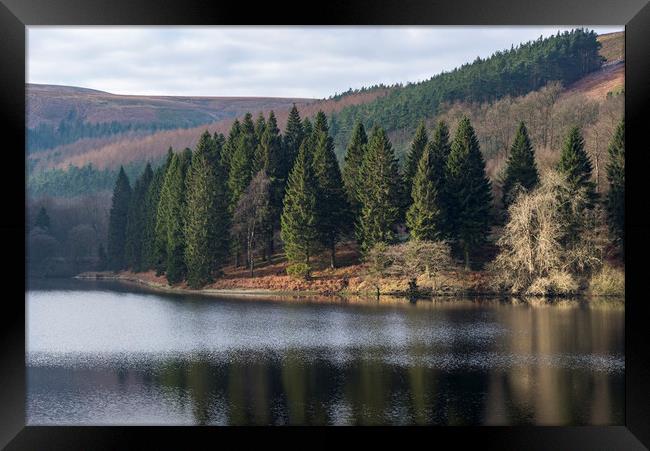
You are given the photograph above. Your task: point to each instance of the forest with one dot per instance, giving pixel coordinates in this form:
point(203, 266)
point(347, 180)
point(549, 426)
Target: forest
point(514, 180)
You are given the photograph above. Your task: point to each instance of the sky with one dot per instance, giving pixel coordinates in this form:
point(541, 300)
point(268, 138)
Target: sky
point(264, 61)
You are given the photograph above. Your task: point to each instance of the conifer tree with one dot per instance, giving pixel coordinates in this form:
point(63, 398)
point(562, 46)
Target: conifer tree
point(469, 192)
point(272, 162)
point(136, 222)
point(352, 166)
point(42, 220)
point(117, 222)
point(293, 136)
point(440, 148)
point(299, 230)
point(155, 242)
point(169, 222)
point(230, 144)
point(423, 217)
point(260, 126)
point(521, 170)
point(206, 222)
point(616, 179)
point(575, 166)
point(308, 129)
point(413, 158)
point(242, 161)
point(380, 193)
point(331, 205)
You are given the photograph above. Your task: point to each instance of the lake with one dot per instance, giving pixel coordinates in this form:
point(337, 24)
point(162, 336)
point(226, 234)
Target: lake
point(105, 353)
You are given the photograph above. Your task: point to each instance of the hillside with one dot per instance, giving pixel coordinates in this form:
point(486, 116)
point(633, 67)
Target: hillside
point(396, 108)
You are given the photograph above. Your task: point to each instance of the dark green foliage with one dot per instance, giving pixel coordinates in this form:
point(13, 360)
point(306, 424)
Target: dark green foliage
point(293, 136)
point(521, 169)
point(439, 147)
point(423, 217)
point(260, 126)
point(206, 222)
point(153, 249)
point(117, 222)
point(230, 144)
point(575, 166)
point(169, 221)
point(42, 220)
point(413, 160)
point(380, 193)
point(616, 179)
point(469, 193)
point(566, 57)
point(299, 230)
point(352, 167)
point(136, 222)
point(332, 203)
point(242, 161)
point(102, 264)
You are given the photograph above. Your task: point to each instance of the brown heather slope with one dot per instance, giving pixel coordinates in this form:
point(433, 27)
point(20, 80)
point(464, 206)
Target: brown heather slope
point(49, 104)
point(115, 151)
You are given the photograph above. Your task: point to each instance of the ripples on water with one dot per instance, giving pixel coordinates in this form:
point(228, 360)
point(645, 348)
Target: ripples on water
point(98, 354)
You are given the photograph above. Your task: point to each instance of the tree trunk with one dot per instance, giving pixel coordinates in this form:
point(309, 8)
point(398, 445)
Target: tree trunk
point(467, 257)
point(333, 255)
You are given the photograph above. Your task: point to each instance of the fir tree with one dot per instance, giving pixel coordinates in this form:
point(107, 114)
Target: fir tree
point(379, 194)
point(169, 222)
point(521, 170)
point(413, 158)
point(117, 222)
point(206, 222)
point(260, 126)
point(136, 222)
point(469, 192)
point(440, 148)
point(230, 144)
point(616, 179)
point(575, 166)
point(155, 241)
point(424, 216)
point(352, 166)
point(242, 161)
point(42, 220)
point(331, 204)
point(293, 136)
point(299, 230)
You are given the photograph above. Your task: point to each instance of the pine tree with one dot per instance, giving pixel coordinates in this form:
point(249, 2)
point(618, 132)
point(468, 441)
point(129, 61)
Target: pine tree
point(42, 220)
point(521, 170)
point(136, 222)
point(616, 179)
point(206, 222)
point(299, 230)
point(230, 144)
point(260, 126)
point(352, 166)
point(274, 164)
point(293, 136)
point(242, 161)
point(155, 242)
point(413, 158)
point(169, 222)
point(380, 193)
point(575, 166)
point(469, 193)
point(440, 148)
point(424, 215)
point(331, 204)
point(117, 222)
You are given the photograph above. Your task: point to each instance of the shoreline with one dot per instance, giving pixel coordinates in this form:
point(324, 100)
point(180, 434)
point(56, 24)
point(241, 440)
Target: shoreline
point(343, 295)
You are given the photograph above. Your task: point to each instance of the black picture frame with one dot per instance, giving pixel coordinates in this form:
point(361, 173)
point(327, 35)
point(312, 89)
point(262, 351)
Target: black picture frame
point(15, 15)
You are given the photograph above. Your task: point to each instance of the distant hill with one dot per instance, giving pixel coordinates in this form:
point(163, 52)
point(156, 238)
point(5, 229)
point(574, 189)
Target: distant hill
point(58, 115)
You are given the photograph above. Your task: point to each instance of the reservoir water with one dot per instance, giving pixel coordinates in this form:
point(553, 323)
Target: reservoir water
point(104, 353)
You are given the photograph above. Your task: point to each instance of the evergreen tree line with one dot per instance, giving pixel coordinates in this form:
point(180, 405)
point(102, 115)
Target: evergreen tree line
point(206, 207)
point(564, 57)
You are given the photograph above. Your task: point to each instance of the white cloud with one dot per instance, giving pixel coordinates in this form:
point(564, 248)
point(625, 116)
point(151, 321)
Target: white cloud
point(257, 61)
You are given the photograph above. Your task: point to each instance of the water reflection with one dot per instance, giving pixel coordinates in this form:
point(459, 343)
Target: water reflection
point(443, 363)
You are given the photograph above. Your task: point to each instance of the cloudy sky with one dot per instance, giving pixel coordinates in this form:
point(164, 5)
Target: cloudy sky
point(258, 61)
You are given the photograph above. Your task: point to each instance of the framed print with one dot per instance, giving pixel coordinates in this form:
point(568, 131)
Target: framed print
point(404, 214)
